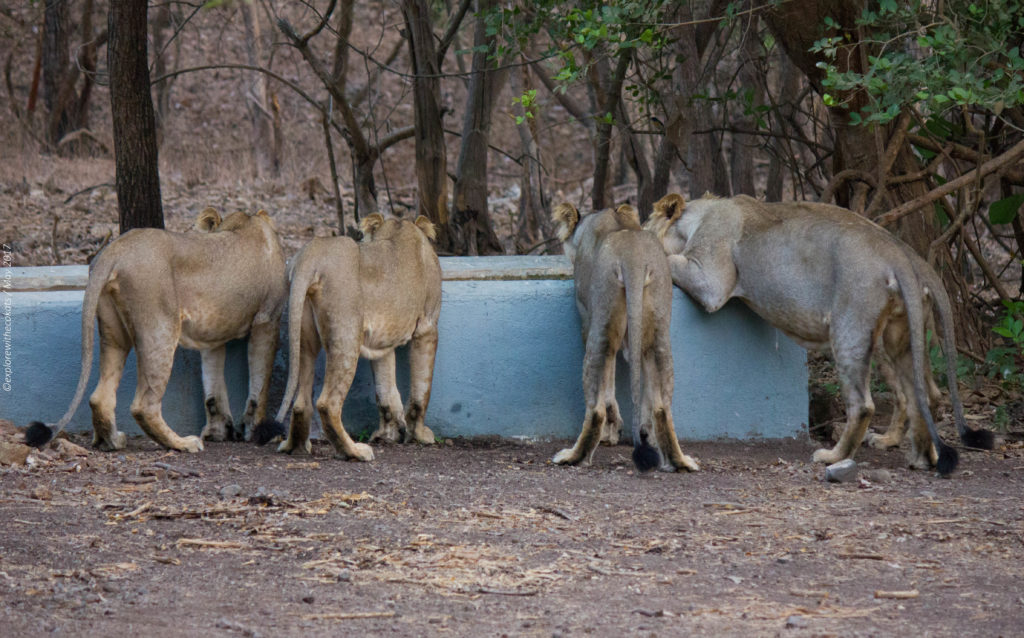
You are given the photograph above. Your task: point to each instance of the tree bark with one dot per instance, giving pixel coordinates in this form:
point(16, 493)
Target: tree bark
point(266, 137)
point(534, 223)
point(431, 155)
point(471, 229)
point(134, 123)
point(56, 63)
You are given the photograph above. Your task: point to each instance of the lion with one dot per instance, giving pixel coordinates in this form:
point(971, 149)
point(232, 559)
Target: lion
point(828, 281)
point(367, 299)
point(624, 297)
point(153, 290)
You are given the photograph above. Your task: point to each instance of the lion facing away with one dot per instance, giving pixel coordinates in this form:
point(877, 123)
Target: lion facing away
point(624, 297)
point(154, 290)
point(363, 299)
point(827, 281)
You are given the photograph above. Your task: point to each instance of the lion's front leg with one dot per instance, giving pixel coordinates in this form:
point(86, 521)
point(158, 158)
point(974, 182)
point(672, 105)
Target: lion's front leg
point(612, 429)
point(261, 350)
point(422, 351)
point(391, 427)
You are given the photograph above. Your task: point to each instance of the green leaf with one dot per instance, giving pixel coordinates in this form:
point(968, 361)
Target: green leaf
point(1005, 210)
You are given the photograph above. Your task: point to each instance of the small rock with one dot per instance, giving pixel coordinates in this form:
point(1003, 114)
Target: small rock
point(878, 476)
point(796, 622)
point(13, 453)
point(344, 575)
point(66, 448)
point(230, 491)
point(842, 472)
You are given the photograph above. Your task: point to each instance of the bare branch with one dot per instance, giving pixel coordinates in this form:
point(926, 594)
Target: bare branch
point(453, 28)
point(988, 167)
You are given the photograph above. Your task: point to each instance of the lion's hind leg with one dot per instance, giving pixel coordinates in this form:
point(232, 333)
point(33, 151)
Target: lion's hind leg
point(853, 356)
point(155, 352)
point(594, 377)
point(115, 343)
point(340, 370)
point(659, 377)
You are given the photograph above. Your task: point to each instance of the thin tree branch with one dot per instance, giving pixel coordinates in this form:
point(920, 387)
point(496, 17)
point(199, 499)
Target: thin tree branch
point(453, 28)
point(988, 167)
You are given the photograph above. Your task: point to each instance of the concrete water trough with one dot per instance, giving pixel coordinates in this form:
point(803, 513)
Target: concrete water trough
point(508, 362)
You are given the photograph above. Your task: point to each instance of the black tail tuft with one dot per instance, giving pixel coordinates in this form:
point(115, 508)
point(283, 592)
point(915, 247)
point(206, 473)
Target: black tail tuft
point(979, 439)
point(267, 430)
point(645, 456)
point(38, 434)
point(948, 458)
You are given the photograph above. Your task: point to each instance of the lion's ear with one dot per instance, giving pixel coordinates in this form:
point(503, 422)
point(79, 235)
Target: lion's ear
point(565, 217)
point(628, 217)
point(208, 220)
point(670, 207)
point(427, 226)
point(370, 224)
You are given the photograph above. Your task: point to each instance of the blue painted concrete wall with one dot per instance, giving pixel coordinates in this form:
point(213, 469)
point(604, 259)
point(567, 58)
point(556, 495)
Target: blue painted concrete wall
point(509, 362)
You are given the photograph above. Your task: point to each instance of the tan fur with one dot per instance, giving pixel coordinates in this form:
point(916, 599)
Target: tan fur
point(829, 279)
point(208, 220)
point(670, 208)
point(154, 290)
point(624, 297)
point(363, 299)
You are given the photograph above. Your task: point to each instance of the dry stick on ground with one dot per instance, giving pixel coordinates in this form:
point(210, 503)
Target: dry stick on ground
point(994, 164)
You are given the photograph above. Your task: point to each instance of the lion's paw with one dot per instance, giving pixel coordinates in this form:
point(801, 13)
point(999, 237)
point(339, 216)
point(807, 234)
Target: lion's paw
point(191, 444)
point(881, 441)
point(688, 463)
point(386, 434)
point(118, 441)
point(565, 457)
point(362, 452)
point(826, 456)
point(424, 435)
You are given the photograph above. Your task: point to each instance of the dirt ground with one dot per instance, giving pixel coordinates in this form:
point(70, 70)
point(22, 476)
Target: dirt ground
point(487, 538)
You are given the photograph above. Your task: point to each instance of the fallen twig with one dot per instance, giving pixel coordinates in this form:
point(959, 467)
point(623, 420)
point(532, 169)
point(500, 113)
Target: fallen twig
point(557, 512)
point(354, 615)
point(898, 595)
point(861, 556)
point(506, 592)
point(199, 542)
point(185, 471)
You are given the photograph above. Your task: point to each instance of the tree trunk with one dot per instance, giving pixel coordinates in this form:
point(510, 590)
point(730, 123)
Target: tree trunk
point(858, 147)
point(134, 124)
point(534, 223)
point(161, 21)
point(431, 155)
point(683, 115)
point(471, 228)
point(266, 143)
point(745, 147)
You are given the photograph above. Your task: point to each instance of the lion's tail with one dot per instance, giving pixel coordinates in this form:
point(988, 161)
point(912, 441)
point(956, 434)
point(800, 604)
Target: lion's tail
point(304, 276)
point(38, 434)
point(645, 456)
point(913, 300)
point(982, 439)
